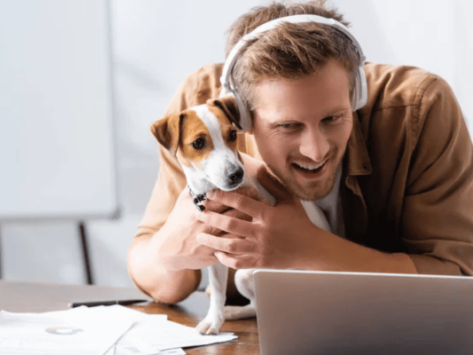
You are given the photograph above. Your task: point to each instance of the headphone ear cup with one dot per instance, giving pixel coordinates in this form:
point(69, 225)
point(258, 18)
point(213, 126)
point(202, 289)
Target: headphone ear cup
point(245, 115)
point(360, 90)
point(355, 96)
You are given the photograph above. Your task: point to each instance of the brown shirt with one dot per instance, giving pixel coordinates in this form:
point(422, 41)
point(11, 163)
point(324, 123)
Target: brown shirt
point(408, 171)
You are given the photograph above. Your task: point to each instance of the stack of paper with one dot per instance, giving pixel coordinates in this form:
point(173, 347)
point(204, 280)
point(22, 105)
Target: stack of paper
point(112, 330)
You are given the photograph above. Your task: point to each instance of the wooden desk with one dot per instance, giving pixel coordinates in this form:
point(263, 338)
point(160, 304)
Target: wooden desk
point(42, 297)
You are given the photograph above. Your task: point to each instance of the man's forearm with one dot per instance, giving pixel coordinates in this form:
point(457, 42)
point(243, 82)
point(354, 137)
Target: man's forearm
point(163, 285)
point(332, 253)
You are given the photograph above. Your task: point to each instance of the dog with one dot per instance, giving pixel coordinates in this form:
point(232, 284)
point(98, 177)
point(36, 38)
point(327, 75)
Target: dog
point(203, 138)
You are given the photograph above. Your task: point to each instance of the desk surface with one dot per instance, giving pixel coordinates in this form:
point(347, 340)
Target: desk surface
point(42, 297)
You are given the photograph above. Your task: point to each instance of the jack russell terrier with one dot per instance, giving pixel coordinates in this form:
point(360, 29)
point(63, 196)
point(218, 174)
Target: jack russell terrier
point(203, 139)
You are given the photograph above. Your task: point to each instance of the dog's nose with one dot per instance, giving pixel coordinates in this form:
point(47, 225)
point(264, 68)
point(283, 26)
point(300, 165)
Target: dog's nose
point(236, 177)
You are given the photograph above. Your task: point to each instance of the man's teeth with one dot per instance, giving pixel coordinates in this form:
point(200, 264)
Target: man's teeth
point(310, 167)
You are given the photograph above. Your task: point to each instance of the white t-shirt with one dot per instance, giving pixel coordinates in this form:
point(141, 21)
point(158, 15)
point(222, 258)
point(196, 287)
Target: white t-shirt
point(326, 212)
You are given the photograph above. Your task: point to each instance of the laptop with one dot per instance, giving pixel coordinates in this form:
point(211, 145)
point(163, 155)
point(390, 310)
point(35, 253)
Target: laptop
point(311, 312)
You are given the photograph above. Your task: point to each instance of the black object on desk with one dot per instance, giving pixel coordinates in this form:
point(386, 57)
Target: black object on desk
point(106, 303)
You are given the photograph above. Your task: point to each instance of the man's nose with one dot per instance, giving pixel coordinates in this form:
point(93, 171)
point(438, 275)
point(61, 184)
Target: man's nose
point(314, 145)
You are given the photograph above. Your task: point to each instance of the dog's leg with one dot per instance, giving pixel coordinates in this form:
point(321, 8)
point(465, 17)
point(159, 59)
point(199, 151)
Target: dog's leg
point(218, 274)
point(240, 312)
point(244, 282)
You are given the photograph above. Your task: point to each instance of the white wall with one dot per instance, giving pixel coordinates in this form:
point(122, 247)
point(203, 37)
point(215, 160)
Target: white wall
point(431, 34)
point(156, 43)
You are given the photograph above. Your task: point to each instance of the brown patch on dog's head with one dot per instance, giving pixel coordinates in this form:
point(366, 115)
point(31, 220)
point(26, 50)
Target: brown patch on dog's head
point(167, 131)
point(185, 136)
point(227, 114)
point(196, 142)
point(228, 106)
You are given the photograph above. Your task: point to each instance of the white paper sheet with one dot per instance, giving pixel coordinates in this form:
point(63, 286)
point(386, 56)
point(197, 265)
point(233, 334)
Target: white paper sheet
point(153, 335)
point(39, 334)
point(112, 330)
point(158, 336)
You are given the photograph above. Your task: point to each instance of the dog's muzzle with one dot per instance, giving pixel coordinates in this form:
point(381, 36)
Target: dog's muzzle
point(236, 178)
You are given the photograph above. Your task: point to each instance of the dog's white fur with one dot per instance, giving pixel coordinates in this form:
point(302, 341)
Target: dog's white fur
point(212, 172)
point(205, 176)
point(220, 162)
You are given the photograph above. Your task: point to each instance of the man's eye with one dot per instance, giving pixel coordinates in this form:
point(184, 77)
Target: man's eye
point(233, 136)
point(288, 125)
point(199, 143)
point(330, 118)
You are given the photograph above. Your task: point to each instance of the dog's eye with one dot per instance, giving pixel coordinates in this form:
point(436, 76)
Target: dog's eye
point(233, 136)
point(199, 143)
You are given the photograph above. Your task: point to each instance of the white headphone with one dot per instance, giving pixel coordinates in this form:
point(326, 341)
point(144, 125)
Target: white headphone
point(228, 88)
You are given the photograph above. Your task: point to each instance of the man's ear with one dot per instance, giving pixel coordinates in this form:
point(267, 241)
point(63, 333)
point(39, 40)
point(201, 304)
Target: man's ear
point(167, 131)
point(229, 106)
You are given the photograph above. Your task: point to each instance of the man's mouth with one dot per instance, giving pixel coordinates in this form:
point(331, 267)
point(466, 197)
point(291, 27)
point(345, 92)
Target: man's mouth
point(309, 168)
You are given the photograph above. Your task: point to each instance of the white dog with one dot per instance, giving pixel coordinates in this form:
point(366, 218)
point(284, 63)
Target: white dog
point(203, 139)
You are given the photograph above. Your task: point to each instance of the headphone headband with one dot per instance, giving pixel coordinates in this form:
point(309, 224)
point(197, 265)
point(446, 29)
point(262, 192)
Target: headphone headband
point(359, 91)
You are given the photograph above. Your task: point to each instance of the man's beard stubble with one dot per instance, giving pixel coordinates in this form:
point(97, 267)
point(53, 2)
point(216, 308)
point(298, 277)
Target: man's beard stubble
point(292, 186)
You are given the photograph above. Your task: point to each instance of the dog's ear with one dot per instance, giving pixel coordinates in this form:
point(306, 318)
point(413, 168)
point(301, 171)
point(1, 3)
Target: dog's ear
point(167, 131)
point(229, 106)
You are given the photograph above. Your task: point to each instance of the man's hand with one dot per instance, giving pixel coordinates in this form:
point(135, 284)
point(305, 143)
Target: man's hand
point(166, 265)
point(176, 244)
point(277, 236)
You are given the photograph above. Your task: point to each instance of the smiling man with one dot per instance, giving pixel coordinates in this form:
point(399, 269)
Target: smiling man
point(302, 126)
point(393, 178)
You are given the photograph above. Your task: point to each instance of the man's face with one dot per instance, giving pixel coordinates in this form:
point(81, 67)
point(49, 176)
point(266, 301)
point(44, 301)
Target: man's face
point(302, 128)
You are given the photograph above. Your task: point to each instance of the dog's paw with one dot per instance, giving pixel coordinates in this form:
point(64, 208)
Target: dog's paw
point(198, 199)
point(201, 197)
point(199, 206)
point(210, 326)
point(239, 312)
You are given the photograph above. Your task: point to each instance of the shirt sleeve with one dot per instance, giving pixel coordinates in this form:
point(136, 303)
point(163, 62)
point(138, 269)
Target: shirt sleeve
point(438, 206)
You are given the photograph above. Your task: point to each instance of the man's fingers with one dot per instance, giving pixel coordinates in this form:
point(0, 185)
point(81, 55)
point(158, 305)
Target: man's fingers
point(239, 202)
point(234, 262)
point(228, 244)
point(248, 191)
point(231, 213)
point(215, 206)
point(266, 201)
point(273, 185)
point(225, 223)
point(219, 208)
point(237, 214)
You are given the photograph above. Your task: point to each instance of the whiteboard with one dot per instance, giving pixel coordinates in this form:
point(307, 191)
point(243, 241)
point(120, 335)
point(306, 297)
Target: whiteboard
point(57, 156)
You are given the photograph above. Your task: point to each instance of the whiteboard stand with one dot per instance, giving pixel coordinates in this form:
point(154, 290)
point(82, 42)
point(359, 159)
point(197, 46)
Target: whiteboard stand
point(85, 253)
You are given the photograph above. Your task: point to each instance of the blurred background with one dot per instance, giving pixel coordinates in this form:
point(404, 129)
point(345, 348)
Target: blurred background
point(155, 44)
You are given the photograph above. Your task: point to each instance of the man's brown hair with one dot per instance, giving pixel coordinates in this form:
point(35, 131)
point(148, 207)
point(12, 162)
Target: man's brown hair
point(289, 51)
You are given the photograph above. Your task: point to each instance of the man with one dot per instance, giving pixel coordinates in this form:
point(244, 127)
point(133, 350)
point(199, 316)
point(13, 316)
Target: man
point(394, 178)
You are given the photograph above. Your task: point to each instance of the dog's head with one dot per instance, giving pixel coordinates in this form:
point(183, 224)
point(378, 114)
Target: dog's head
point(203, 138)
